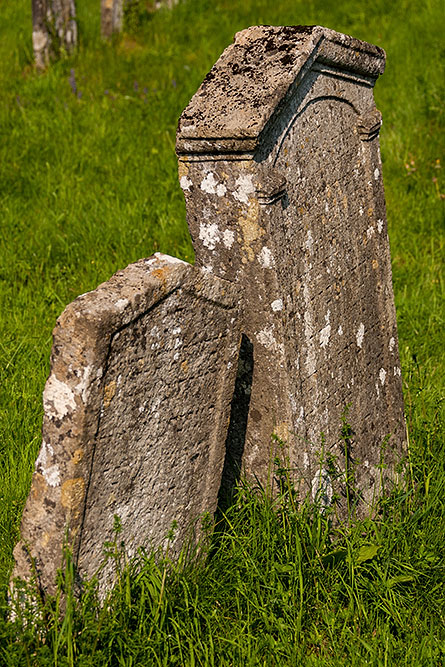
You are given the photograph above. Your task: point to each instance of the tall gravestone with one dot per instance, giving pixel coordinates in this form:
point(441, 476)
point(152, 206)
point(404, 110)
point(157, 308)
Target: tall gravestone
point(280, 165)
point(136, 411)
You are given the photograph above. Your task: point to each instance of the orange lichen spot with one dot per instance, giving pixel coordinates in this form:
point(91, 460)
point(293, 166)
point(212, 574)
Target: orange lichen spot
point(161, 274)
point(72, 493)
point(109, 392)
point(78, 456)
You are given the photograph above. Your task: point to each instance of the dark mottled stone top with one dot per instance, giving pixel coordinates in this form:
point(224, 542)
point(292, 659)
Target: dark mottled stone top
point(253, 76)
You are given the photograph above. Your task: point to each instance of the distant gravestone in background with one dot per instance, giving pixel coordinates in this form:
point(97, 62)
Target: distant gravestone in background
point(136, 413)
point(280, 166)
point(54, 29)
point(168, 379)
point(111, 17)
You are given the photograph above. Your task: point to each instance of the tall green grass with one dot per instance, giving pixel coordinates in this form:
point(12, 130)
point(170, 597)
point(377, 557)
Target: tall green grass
point(88, 184)
point(276, 585)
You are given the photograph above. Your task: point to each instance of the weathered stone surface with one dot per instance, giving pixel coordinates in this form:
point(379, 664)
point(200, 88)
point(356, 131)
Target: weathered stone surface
point(169, 378)
point(280, 166)
point(137, 407)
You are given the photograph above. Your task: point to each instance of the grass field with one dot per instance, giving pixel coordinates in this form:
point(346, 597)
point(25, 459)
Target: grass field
point(88, 184)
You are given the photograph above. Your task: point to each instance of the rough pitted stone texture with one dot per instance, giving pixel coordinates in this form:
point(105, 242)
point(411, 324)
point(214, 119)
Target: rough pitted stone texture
point(256, 76)
point(280, 165)
point(136, 413)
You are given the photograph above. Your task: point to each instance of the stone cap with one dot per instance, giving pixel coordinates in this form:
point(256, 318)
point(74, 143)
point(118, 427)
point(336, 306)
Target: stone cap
point(252, 78)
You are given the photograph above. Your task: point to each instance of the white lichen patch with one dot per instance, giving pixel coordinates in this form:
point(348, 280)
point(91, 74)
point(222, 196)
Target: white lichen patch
point(340, 330)
point(45, 455)
point(360, 335)
point(309, 243)
point(46, 467)
point(392, 343)
point(376, 174)
point(370, 232)
point(325, 333)
point(397, 371)
point(266, 337)
point(209, 184)
point(305, 460)
point(84, 384)
point(228, 238)
point(51, 475)
point(322, 490)
point(209, 235)
point(277, 305)
point(311, 357)
point(379, 226)
point(382, 376)
point(265, 258)
point(361, 211)
point(185, 183)
point(160, 258)
point(121, 304)
point(300, 417)
point(58, 398)
point(244, 187)
point(176, 331)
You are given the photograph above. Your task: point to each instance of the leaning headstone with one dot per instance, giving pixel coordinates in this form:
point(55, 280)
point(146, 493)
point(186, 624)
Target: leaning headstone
point(280, 165)
point(136, 406)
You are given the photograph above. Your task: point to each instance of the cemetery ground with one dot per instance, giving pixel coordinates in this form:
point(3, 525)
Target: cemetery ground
point(89, 184)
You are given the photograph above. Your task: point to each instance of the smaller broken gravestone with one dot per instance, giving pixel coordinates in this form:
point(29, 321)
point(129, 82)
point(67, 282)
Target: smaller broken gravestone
point(168, 379)
point(136, 411)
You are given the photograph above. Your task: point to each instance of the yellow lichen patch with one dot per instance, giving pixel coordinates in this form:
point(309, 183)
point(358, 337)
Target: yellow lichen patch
point(185, 366)
point(281, 430)
point(78, 456)
point(250, 228)
point(109, 392)
point(375, 264)
point(183, 169)
point(72, 493)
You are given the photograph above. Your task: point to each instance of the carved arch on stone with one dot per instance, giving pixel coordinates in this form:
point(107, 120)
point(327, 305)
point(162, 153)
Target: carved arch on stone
point(298, 115)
